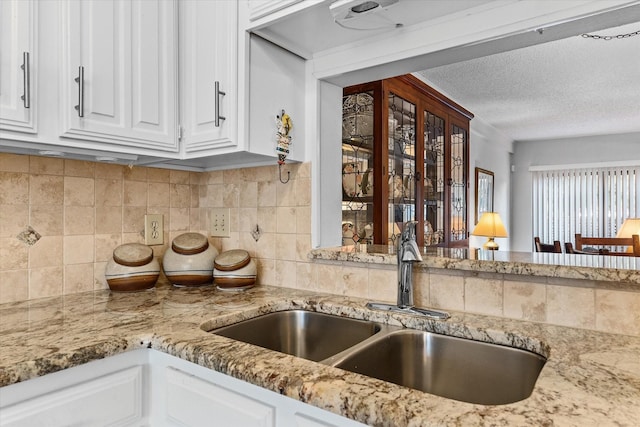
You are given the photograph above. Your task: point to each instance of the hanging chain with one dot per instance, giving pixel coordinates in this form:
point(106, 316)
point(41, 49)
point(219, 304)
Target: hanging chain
point(619, 36)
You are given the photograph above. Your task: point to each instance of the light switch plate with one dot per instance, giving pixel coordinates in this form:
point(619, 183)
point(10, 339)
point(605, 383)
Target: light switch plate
point(220, 222)
point(153, 229)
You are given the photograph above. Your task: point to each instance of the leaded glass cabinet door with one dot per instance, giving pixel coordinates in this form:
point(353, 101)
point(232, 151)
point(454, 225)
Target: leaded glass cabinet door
point(435, 180)
point(458, 178)
point(357, 168)
point(401, 167)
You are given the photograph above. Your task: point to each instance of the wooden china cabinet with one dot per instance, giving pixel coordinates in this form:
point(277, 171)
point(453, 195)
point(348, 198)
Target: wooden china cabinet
point(405, 156)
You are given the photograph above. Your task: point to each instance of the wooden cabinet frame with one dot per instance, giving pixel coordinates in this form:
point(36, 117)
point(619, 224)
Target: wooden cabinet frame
point(424, 98)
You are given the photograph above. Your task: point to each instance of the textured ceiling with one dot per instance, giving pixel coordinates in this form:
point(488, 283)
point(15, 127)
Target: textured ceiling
point(566, 88)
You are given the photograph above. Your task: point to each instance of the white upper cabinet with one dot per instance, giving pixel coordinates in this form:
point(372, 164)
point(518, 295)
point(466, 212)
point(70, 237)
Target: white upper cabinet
point(18, 65)
point(118, 73)
point(209, 77)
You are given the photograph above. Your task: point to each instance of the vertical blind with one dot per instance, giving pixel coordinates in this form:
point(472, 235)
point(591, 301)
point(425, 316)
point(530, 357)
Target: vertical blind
point(592, 201)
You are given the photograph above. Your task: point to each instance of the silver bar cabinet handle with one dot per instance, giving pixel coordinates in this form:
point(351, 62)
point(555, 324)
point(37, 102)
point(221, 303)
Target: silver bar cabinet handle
point(80, 80)
point(26, 80)
point(218, 94)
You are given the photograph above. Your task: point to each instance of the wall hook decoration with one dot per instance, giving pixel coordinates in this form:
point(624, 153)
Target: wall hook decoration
point(284, 125)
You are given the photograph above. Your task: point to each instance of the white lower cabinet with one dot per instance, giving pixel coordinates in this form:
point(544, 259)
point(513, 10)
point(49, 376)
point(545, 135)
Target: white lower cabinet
point(150, 388)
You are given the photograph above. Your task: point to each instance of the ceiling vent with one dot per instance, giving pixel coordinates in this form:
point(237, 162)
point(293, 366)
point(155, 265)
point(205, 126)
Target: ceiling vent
point(363, 15)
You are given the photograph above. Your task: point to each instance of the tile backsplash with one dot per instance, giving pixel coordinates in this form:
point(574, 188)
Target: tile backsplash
point(61, 219)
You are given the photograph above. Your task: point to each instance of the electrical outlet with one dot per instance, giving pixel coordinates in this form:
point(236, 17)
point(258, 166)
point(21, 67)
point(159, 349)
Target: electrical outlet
point(220, 222)
point(153, 229)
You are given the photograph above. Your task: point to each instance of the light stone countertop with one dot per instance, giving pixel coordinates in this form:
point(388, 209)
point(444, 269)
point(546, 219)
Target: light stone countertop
point(590, 379)
point(611, 271)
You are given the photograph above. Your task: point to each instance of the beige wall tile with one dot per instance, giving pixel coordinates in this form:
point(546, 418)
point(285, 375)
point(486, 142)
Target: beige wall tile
point(286, 247)
point(266, 194)
point(179, 219)
point(108, 192)
point(382, 285)
point(159, 194)
point(286, 220)
point(446, 291)
point(527, 301)
point(14, 255)
point(79, 168)
point(214, 196)
point(571, 306)
point(247, 219)
point(79, 220)
point(105, 244)
point(306, 276)
point(180, 195)
point(266, 246)
point(248, 195)
point(303, 246)
point(13, 219)
point(483, 296)
point(214, 177)
point(78, 278)
point(285, 273)
point(133, 219)
point(179, 177)
point(195, 196)
point(47, 252)
point(14, 285)
point(45, 282)
point(286, 194)
point(355, 281)
point(14, 188)
point(618, 312)
point(109, 171)
point(230, 195)
point(303, 219)
point(421, 288)
point(266, 271)
point(158, 175)
point(303, 191)
point(79, 191)
point(14, 163)
point(46, 165)
point(108, 219)
point(78, 249)
point(136, 173)
point(330, 278)
point(46, 190)
point(267, 219)
point(48, 220)
point(135, 193)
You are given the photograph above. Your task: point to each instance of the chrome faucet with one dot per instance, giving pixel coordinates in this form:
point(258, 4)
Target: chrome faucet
point(407, 253)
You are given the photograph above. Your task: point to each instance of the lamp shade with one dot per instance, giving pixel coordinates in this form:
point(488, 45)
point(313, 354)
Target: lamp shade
point(490, 225)
point(630, 226)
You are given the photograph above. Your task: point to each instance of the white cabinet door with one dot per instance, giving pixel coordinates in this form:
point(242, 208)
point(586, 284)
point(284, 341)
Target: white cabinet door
point(118, 77)
point(209, 56)
point(18, 65)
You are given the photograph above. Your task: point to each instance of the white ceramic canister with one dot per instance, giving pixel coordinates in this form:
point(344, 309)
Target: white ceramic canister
point(189, 260)
point(234, 270)
point(132, 268)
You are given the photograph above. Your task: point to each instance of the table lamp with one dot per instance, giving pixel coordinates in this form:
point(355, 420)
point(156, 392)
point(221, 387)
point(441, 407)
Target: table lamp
point(491, 226)
point(630, 226)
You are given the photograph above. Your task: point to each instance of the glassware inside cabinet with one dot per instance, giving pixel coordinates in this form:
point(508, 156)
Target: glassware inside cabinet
point(357, 168)
point(434, 178)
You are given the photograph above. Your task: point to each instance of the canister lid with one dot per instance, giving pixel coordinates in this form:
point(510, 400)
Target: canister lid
point(133, 254)
point(190, 244)
point(231, 260)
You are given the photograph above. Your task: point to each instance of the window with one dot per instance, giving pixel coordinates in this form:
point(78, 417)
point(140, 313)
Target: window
point(593, 201)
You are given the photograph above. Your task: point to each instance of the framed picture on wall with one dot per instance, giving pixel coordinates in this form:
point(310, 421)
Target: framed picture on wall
point(484, 192)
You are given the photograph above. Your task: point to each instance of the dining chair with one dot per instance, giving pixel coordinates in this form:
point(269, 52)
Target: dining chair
point(633, 242)
point(547, 247)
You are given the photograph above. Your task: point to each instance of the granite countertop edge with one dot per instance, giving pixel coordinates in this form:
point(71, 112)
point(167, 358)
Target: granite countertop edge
point(590, 378)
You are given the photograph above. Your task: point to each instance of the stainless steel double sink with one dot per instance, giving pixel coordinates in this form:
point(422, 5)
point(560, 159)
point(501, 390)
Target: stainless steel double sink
point(456, 368)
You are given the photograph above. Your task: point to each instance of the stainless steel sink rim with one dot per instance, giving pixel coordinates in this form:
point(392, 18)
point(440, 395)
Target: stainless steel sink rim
point(418, 379)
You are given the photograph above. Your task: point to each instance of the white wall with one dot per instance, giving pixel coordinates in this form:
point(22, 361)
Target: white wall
point(593, 149)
